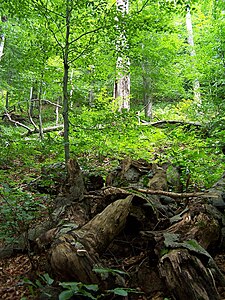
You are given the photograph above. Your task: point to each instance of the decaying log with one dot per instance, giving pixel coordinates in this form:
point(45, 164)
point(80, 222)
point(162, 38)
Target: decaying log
point(74, 254)
point(141, 229)
point(187, 268)
point(186, 277)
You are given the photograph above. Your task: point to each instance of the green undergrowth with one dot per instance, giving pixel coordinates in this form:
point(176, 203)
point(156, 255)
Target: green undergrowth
point(100, 137)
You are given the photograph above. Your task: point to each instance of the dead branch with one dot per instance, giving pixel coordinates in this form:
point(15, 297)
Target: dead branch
point(172, 194)
point(18, 123)
point(165, 122)
point(32, 131)
point(48, 101)
point(45, 130)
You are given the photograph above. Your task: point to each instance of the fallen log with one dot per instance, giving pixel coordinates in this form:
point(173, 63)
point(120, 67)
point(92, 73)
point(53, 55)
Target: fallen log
point(173, 122)
point(74, 254)
point(174, 250)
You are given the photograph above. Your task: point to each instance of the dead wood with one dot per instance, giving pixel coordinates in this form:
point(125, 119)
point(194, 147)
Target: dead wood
point(172, 194)
point(165, 122)
point(186, 266)
point(74, 254)
point(31, 130)
point(45, 130)
point(186, 276)
point(138, 230)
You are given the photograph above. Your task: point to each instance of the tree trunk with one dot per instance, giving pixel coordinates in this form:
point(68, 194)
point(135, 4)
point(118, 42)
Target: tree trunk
point(2, 43)
point(41, 133)
point(196, 84)
point(65, 85)
point(122, 83)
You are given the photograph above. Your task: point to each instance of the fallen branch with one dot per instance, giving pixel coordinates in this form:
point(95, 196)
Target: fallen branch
point(165, 122)
point(30, 130)
point(48, 129)
point(48, 101)
point(18, 123)
point(172, 194)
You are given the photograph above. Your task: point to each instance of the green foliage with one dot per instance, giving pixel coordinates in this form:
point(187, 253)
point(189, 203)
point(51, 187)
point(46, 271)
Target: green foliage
point(91, 291)
point(39, 284)
point(18, 211)
point(78, 288)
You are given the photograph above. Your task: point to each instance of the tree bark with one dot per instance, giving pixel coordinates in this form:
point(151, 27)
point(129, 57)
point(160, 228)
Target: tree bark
point(65, 85)
point(122, 83)
point(74, 255)
point(196, 84)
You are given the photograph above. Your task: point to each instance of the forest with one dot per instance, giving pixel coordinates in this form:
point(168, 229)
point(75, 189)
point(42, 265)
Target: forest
point(112, 135)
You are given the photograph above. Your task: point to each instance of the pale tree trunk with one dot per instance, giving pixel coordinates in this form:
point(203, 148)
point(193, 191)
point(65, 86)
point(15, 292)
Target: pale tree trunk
point(40, 113)
point(57, 111)
point(122, 84)
point(33, 96)
point(72, 87)
point(2, 42)
point(196, 84)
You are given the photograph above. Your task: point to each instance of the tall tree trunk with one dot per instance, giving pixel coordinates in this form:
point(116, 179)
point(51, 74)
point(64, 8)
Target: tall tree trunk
point(196, 84)
point(122, 84)
point(65, 84)
point(146, 92)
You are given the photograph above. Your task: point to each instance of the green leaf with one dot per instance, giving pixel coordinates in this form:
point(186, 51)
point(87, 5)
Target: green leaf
point(120, 292)
point(67, 285)
point(66, 295)
point(26, 280)
point(47, 279)
point(91, 287)
point(38, 283)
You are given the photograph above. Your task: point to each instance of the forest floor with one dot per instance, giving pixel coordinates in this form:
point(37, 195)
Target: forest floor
point(16, 270)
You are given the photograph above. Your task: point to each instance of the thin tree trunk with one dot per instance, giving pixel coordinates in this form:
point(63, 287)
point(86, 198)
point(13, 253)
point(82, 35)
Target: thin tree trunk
point(65, 85)
point(57, 111)
point(40, 113)
point(30, 108)
point(2, 43)
point(146, 96)
point(196, 84)
point(7, 100)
